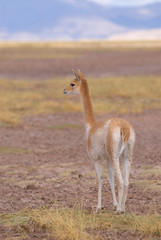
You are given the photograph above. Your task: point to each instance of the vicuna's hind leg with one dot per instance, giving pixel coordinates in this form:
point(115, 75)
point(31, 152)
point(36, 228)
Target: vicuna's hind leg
point(120, 183)
point(127, 159)
point(98, 169)
point(114, 145)
point(112, 182)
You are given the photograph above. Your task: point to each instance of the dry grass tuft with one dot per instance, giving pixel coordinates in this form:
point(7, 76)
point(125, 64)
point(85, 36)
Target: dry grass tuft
point(155, 170)
point(64, 223)
point(79, 224)
point(148, 225)
point(152, 185)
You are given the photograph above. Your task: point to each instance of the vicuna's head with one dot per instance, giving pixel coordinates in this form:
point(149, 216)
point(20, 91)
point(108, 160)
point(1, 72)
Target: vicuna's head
point(74, 88)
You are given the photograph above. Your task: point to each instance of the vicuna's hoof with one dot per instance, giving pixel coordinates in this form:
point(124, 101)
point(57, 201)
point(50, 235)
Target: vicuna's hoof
point(119, 212)
point(98, 210)
point(114, 208)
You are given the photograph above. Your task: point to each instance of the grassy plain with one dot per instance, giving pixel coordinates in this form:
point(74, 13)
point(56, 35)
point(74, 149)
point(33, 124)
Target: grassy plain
point(67, 50)
point(21, 98)
point(83, 45)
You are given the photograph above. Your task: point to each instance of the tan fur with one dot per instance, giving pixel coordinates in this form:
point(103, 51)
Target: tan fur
point(88, 110)
point(83, 90)
point(93, 129)
point(69, 88)
point(106, 141)
point(124, 130)
point(96, 126)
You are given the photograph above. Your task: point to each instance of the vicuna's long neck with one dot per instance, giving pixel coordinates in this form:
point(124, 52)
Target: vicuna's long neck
point(86, 102)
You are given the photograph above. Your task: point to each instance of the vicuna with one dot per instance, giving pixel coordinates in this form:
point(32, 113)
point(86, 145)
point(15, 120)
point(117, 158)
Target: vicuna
point(108, 141)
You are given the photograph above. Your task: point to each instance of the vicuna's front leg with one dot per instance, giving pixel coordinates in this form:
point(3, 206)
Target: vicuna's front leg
point(98, 169)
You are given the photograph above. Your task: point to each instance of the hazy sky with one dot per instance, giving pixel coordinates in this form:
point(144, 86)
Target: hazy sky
point(76, 19)
point(123, 2)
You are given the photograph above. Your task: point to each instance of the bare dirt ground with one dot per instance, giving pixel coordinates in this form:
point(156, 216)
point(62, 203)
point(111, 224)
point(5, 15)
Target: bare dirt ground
point(43, 162)
point(92, 62)
point(55, 166)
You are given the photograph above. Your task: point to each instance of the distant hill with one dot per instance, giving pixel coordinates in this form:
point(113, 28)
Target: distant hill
point(150, 34)
point(66, 20)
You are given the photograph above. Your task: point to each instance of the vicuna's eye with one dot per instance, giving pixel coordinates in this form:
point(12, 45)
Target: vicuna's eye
point(72, 84)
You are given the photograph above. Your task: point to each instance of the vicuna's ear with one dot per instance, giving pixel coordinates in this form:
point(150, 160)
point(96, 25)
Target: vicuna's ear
point(76, 75)
point(81, 76)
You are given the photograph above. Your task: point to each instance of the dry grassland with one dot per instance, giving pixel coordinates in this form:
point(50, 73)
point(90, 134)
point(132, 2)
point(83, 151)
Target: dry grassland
point(76, 223)
point(21, 98)
point(84, 44)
